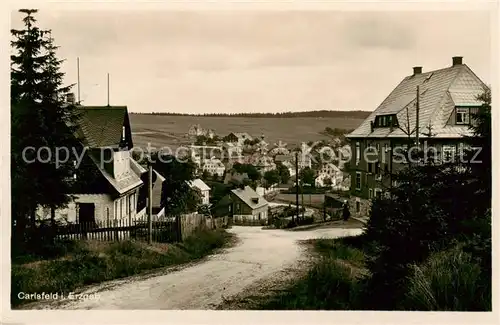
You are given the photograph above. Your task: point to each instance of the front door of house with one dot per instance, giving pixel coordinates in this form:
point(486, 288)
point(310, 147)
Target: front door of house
point(86, 213)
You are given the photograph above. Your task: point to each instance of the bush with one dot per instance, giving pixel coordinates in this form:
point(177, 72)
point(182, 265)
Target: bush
point(327, 286)
point(448, 281)
point(85, 266)
point(431, 209)
point(202, 242)
point(334, 248)
point(305, 221)
point(43, 248)
point(335, 281)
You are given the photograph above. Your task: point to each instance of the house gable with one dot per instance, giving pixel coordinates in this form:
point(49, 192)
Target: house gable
point(436, 88)
point(90, 180)
point(247, 194)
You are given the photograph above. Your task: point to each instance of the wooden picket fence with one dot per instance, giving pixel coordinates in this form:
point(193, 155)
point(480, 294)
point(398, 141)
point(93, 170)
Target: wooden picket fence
point(242, 221)
point(166, 230)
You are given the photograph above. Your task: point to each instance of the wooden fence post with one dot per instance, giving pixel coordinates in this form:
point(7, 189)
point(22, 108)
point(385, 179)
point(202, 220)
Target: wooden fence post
point(115, 226)
point(150, 203)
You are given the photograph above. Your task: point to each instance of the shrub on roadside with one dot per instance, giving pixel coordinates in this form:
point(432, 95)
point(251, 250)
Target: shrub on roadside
point(42, 245)
point(333, 248)
point(327, 286)
point(333, 283)
point(202, 242)
point(108, 262)
point(447, 281)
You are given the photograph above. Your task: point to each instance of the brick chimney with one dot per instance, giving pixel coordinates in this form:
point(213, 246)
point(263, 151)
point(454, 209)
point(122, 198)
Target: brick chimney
point(417, 70)
point(457, 60)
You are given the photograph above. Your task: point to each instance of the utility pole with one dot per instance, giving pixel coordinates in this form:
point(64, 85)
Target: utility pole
point(296, 183)
point(150, 204)
point(418, 117)
point(302, 198)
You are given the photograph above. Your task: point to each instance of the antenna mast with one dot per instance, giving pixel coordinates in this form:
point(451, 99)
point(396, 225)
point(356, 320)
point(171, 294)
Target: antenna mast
point(78, 76)
point(108, 88)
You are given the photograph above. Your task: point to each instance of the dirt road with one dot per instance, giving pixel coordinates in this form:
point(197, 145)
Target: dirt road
point(257, 256)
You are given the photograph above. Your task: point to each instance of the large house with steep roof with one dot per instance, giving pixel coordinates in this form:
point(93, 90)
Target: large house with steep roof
point(108, 183)
point(445, 98)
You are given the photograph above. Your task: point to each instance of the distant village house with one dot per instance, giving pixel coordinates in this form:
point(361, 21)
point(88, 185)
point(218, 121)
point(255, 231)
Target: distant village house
point(203, 188)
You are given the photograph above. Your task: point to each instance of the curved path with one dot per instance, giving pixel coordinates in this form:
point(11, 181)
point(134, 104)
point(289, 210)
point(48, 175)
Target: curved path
point(258, 255)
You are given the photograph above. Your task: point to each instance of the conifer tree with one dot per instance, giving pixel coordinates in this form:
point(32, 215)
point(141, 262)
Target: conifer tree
point(40, 118)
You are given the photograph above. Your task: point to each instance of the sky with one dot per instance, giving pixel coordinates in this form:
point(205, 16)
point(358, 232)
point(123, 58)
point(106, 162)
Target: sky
point(258, 61)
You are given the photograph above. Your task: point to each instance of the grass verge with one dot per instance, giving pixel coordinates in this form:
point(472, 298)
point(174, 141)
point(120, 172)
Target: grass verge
point(92, 262)
point(448, 280)
point(331, 283)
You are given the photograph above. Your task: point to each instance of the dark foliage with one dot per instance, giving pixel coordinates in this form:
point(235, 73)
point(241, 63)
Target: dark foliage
point(307, 175)
point(271, 177)
point(283, 173)
point(177, 196)
point(434, 208)
point(249, 169)
point(39, 118)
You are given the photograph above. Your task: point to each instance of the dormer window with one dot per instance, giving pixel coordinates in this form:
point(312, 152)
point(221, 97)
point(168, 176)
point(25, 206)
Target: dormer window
point(386, 121)
point(462, 115)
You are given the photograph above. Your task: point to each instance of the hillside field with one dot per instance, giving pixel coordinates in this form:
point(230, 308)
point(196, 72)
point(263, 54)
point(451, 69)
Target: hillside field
point(172, 131)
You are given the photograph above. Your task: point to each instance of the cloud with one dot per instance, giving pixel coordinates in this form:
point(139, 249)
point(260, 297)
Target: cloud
point(259, 61)
point(384, 30)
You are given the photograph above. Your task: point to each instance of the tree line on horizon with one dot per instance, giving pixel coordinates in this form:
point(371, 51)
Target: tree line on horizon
point(321, 113)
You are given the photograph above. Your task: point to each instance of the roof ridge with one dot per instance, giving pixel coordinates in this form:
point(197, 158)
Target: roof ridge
point(434, 71)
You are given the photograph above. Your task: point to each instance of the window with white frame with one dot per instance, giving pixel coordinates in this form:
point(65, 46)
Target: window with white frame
point(463, 149)
point(448, 152)
point(462, 115)
point(358, 153)
point(358, 180)
point(378, 193)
